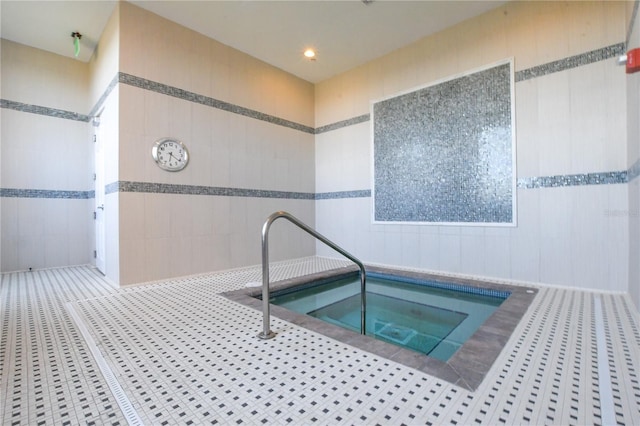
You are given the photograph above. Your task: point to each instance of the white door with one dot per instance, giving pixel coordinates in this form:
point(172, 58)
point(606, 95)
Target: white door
point(99, 197)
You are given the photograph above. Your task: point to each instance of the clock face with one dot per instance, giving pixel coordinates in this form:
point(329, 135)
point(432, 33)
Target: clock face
point(170, 154)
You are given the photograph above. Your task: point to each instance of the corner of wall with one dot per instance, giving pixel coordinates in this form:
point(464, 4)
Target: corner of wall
point(103, 98)
point(633, 151)
point(104, 63)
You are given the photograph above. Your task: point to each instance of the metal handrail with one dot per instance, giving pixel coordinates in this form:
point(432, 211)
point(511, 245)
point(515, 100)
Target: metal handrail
point(266, 332)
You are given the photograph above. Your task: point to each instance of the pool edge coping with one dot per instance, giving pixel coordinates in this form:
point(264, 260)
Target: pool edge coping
point(467, 368)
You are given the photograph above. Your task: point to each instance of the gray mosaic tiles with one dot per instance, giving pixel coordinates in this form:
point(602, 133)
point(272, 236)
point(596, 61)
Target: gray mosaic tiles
point(444, 153)
point(344, 123)
point(161, 188)
point(165, 188)
point(41, 110)
point(365, 193)
point(574, 180)
point(571, 62)
point(634, 171)
point(208, 101)
point(96, 108)
point(45, 193)
point(603, 178)
point(633, 21)
point(112, 187)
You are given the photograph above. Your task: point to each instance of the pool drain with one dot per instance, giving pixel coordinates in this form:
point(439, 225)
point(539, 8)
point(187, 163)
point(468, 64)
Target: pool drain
point(397, 333)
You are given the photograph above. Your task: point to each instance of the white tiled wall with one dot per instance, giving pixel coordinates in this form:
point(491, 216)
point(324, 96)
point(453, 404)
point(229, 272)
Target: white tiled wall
point(171, 54)
point(44, 153)
point(36, 77)
point(152, 236)
point(54, 150)
point(163, 235)
point(633, 135)
point(567, 122)
point(343, 161)
point(634, 241)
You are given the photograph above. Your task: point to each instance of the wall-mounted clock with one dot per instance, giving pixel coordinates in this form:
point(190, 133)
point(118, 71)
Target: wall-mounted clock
point(170, 154)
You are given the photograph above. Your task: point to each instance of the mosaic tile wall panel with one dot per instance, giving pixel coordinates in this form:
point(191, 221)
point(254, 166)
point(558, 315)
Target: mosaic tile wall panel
point(444, 153)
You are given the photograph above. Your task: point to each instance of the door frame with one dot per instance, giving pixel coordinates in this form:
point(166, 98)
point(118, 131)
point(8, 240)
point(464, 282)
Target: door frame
point(99, 204)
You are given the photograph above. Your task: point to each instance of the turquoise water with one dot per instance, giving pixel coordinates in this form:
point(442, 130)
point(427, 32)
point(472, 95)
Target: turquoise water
point(415, 315)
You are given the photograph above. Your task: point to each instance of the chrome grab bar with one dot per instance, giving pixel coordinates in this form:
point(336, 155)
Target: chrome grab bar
point(266, 332)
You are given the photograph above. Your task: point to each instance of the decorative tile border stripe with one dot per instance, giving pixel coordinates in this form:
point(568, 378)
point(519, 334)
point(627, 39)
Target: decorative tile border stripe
point(461, 288)
point(112, 187)
point(345, 123)
point(96, 109)
point(49, 112)
point(365, 193)
point(397, 277)
point(632, 22)
point(211, 102)
point(165, 188)
point(556, 66)
point(45, 193)
point(528, 183)
point(571, 62)
point(634, 171)
point(604, 178)
point(527, 74)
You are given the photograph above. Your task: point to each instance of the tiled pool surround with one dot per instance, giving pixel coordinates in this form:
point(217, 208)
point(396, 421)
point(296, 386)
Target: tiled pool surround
point(185, 355)
point(466, 368)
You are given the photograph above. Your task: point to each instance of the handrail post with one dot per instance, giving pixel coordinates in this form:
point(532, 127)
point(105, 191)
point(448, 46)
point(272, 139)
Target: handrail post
point(266, 318)
point(363, 303)
point(266, 328)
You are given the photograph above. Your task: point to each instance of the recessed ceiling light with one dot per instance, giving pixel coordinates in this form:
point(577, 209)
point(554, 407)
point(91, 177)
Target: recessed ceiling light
point(310, 54)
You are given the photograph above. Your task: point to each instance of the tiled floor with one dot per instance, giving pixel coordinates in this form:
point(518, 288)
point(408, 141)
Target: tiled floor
point(76, 351)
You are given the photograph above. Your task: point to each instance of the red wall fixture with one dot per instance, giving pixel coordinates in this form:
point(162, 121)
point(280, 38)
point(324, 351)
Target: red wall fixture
point(633, 61)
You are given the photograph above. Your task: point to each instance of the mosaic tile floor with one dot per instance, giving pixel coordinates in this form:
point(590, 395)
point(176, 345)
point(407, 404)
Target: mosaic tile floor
point(76, 351)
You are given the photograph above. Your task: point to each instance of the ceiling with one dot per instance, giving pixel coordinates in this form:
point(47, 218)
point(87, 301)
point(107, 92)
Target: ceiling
point(344, 33)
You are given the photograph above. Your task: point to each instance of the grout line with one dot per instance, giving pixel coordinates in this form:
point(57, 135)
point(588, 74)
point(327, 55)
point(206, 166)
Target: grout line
point(607, 411)
point(127, 408)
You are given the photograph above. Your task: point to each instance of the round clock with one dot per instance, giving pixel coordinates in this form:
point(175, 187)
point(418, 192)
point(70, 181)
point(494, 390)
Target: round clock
point(170, 154)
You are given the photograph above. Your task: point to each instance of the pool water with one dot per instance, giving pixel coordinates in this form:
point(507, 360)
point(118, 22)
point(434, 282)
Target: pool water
point(425, 316)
